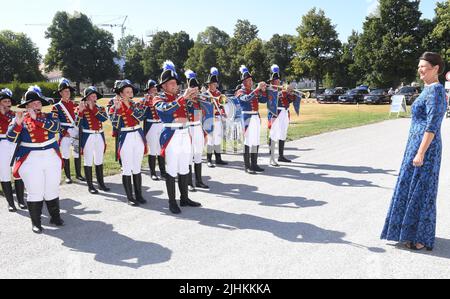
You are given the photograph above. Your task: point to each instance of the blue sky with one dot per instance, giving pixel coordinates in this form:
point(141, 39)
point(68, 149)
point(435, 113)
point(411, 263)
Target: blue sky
point(282, 16)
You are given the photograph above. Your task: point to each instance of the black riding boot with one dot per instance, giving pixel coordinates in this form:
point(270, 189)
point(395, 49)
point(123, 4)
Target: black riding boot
point(78, 170)
point(20, 193)
point(254, 158)
point(209, 154)
point(191, 186)
point(55, 212)
point(219, 160)
point(248, 167)
point(162, 166)
point(183, 186)
point(88, 174)
point(170, 184)
point(126, 180)
point(137, 182)
point(152, 166)
point(35, 209)
point(101, 178)
point(198, 177)
point(67, 171)
point(7, 190)
point(282, 158)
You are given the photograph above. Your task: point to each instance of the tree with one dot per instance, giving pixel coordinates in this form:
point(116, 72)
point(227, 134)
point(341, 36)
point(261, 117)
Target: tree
point(125, 43)
point(245, 32)
point(317, 46)
point(19, 58)
point(280, 50)
point(390, 44)
point(134, 68)
point(255, 60)
point(210, 45)
point(79, 49)
point(347, 73)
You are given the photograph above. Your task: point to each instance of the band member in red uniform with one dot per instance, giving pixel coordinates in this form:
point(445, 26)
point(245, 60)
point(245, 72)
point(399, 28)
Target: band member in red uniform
point(215, 139)
point(250, 101)
point(7, 150)
point(90, 119)
point(65, 109)
point(38, 159)
point(126, 116)
point(153, 128)
point(175, 139)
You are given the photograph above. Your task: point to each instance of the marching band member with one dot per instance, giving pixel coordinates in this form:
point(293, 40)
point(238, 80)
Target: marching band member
point(195, 115)
point(279, 103)
point(7, 150)
point(153, 128)
point(126, 116)
point(216, 137)
point(90, 119)
point(175, 139)
point(249, 101)
point(38, 158)
point(65, 109)
point(115, 134)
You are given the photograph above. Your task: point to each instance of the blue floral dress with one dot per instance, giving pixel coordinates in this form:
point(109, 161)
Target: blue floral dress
point(412, 214)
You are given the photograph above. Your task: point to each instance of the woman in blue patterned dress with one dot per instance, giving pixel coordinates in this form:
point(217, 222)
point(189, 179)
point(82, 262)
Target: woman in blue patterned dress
point(412, 214)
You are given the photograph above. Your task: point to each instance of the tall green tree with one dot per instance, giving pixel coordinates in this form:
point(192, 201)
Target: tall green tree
point(83, 52)
point(390, 44)
point(134, 67)
point(280, 50)
point(125, 43)
point(347, 73)
point(19, 58)
point(317, 46)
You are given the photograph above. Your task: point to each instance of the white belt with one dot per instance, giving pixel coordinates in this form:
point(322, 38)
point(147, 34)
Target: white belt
point(93, 132)
point(2, 136)
point(38, 145)
point(195, 124)
point(281, 109)
point(176, 126)
point(154, 121)
point(67, 125)
point(130, 129)
point(250, 112)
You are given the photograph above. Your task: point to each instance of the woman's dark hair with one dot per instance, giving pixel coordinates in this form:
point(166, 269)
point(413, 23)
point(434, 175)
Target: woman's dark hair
point(434, 59)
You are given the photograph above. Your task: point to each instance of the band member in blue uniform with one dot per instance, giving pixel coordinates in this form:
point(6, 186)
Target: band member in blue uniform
point(37, 159)
point(279, 102)
point(175, 139)
point(250, 101)
point(90, 119)
point(7, 150)
point(126, 116)
point(69, 135)
point(153, 128)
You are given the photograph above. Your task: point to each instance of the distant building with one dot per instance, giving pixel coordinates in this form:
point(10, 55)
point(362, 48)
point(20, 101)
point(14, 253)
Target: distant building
point(53, 76)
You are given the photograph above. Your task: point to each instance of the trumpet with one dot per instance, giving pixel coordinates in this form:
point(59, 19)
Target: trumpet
point(286, 88)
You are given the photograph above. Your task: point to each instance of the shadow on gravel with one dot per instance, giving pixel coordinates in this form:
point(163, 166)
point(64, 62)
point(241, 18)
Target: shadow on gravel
point(100, 239)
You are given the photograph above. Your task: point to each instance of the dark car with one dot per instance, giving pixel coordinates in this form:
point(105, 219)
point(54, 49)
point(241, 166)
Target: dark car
point(314, 95)
point(410, 93)
point(331, 95)
point(354, 96)
point(377, 96)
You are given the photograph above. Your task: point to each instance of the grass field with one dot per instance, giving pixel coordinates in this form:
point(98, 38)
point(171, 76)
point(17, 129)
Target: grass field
point(314, 119)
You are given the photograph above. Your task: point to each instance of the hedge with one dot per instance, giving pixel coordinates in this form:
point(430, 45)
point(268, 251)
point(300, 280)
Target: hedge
point(19, 89)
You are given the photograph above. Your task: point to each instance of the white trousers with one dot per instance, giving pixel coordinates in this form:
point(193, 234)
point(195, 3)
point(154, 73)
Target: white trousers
point(132, 154)
point(41, 174)
point(198, 143)
point(216, 137)
point(67, 143)
point(280, 127)
point(153, 136)
point(6, 152)
point(253, 134)
point(94, 150)
point(179, 153)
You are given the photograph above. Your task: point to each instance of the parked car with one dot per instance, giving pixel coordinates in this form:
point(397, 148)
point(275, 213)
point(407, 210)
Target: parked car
point(411, 93)
point(378, 96)
point(354, 96)
point(331, 95)
point(314, 95)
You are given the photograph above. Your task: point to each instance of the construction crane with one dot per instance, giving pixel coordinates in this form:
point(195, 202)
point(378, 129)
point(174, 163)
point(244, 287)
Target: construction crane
point(122, 26)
